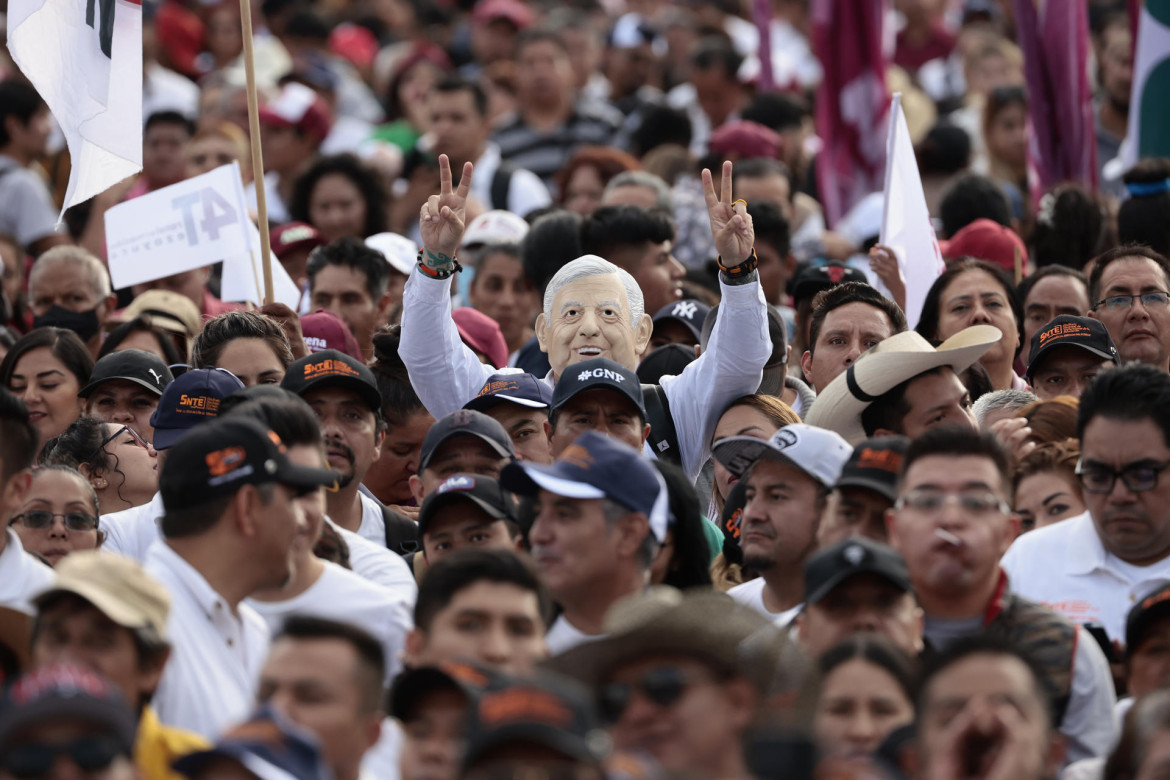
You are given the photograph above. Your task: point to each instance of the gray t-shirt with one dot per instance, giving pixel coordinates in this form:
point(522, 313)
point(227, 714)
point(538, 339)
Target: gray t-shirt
point(27, 210)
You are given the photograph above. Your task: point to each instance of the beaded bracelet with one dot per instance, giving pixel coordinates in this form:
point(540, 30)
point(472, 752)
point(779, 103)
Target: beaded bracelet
point(743, 269)
point(436, 273)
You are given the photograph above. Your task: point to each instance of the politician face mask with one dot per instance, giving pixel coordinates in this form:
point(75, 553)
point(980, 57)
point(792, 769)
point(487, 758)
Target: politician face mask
point(84, 323)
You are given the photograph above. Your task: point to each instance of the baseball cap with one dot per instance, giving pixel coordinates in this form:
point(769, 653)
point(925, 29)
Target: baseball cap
point(354, 43)
point(667, 360)
point(325, 330)
point(190, 399)
point(522, 389)
point(143, 368)
point(117, 586)
point(831, 566)
point(746, 139)
point(292, 236)
point(688, 311)
point(215, 459)
point(481, 333)
point(495, 227)
point(64, 692)
point(482, 491)
point(400, 252)
point(817, 452)
point(596, 466)
point(598, 372)
point(1154, 606)
point(332, 368)
point(168, 310)
point(298, 106)
point(544, 710)
point(513, 11)
point(811, 279)
point(875, 464)
point(988, 240)
point(415, 683)
point(266, 745)
point(1069, 331)
point(465, 422)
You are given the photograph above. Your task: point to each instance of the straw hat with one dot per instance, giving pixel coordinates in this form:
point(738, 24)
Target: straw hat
point(892, 362)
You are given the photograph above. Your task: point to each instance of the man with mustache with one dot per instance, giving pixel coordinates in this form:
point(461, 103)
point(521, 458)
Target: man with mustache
point(345, 397)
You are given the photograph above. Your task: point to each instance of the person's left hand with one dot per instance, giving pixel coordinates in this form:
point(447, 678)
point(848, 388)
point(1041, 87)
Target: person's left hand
point(290, 323)
point(730, 223)
point(1014, 433)
point(884, 263)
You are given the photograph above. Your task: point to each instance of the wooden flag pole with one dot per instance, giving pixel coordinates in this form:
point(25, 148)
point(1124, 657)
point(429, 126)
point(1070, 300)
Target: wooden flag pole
point(257, 159)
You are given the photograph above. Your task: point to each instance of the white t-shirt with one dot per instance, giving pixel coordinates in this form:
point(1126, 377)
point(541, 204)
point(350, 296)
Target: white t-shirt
point(1066, 568)
point(373, 525)
point(339, 594)
point(751, 594)
point(132, 531)
point(563, 635)
point(381, 762)
point(377, 564)
point(210, 679)
point(22, 577)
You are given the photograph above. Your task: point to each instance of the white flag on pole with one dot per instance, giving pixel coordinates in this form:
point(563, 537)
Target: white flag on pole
point(906, 226)
point(85, 59)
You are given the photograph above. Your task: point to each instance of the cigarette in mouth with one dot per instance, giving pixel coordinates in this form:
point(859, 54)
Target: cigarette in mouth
point(948, 537)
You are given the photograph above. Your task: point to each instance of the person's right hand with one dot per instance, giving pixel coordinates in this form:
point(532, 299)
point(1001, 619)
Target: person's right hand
point(441, 218)
point(1014, 433)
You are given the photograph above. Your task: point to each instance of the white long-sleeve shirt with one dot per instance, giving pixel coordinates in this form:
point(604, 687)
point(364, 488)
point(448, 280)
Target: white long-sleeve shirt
point(446, 374)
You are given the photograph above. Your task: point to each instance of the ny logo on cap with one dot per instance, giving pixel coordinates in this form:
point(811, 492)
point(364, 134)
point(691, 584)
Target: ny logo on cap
point(685, 309)
point(854, 553)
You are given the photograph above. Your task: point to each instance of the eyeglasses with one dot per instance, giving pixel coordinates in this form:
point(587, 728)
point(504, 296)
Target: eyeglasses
point(1150, 300)
point(38, 519)
point(89, 754)
point(1138, 477)
point(141, 442)
point(662, 685)
point(978, 502)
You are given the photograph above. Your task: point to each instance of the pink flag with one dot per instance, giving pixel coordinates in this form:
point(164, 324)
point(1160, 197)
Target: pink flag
point(1062, 144)
point(852, 101)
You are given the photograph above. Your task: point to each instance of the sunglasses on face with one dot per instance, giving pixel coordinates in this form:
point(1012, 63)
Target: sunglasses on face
point(663, 686)
point(89, 754)
point(39, 519)
point(141, 442)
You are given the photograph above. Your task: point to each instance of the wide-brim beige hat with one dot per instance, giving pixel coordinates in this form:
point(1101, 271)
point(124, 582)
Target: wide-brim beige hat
point(708, 625)
point(892, 362)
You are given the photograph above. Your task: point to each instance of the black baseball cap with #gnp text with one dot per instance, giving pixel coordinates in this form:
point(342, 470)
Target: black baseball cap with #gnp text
point(465, 422)
point(595, 373)
point(217, 458)
point(145, 369)
point(332, 368)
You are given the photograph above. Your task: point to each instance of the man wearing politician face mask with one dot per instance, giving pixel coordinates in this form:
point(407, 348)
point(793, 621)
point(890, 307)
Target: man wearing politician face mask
point(68, 287)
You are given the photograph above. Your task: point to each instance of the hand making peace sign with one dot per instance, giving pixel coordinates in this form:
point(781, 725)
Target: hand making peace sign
point(441, 218)
point(730, 223)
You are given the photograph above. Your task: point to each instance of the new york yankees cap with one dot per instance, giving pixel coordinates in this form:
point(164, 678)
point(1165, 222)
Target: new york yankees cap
point(143, 368)
point(688, 311)
point(598, 372)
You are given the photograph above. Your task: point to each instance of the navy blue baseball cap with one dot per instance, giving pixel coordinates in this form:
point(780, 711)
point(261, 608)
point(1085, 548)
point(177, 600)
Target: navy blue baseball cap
point(465, 422)
point(267, 746)
point(688, 312)
point(521, 389)
point(596, 466)
point(189, 400)
point(598, 372)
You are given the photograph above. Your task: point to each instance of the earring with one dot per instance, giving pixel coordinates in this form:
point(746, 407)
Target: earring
point(100, 483)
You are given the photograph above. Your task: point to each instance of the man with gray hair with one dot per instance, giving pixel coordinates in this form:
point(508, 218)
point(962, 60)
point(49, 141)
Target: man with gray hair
point(638, 188)
point(592, 309)
point(998, 405)
point(68, 287)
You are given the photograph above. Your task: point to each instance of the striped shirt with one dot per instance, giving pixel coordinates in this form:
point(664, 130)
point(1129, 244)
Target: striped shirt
point(545, 154)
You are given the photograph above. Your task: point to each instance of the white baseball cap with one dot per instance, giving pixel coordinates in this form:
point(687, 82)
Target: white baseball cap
point(399, 251)
point(817, 452)
point(495, 227)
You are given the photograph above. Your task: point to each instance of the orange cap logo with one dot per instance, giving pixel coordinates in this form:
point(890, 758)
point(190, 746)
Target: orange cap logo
point(1065, 330)
point(578, 456)
point(883, 460)
point(524, 704)
point(225, 461)
point(328, 367)
point(491, 388)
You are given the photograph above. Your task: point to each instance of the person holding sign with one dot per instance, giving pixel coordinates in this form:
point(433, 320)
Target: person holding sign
point(594, 309)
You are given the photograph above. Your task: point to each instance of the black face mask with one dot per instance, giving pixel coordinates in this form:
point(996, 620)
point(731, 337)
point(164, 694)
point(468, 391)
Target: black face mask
point(84, 323)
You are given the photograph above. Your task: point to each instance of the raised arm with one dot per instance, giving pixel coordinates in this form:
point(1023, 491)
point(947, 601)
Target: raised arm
point(733, 363)
point(444, 371)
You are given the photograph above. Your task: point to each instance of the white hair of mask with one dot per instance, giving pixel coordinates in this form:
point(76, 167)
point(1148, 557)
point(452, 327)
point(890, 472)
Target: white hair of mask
point(592, 265)
point(95, 272)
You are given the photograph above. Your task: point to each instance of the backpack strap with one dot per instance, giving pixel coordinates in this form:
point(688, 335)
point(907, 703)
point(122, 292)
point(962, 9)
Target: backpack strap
point(663, 437)
point(401, 531)
point(502, 185)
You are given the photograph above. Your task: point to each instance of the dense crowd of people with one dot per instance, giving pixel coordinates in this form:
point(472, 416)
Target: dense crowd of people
point(593, 448)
